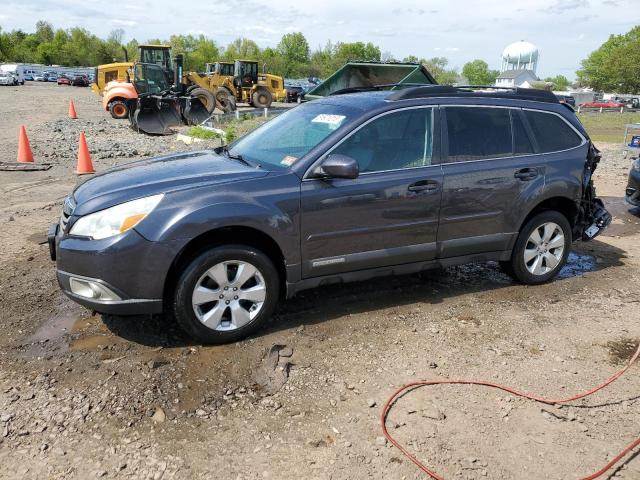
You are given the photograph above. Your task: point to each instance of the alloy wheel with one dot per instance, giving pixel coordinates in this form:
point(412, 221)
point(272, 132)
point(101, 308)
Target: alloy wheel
point(544, 249)
point(229, 295)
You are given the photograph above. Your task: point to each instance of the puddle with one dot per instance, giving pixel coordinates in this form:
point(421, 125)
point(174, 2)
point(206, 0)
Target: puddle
point(578, 264)
point(626, 218)
point(621, 351)
point(53, 335)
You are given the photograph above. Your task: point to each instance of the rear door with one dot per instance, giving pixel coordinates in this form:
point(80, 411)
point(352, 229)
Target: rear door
point(490, 164)
point(386, 216)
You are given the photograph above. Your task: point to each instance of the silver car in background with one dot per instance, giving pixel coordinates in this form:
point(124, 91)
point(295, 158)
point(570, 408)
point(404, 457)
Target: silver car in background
point(6, 79)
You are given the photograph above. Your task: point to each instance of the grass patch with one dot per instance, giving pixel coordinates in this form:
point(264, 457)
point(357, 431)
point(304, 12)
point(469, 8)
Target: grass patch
point(607, 126)
point(203, 133)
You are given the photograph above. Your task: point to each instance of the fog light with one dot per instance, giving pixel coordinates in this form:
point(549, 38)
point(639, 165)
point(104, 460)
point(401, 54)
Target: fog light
point(89, 289)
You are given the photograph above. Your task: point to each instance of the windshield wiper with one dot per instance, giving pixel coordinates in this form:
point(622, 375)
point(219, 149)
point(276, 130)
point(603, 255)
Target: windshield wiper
point(238, 157)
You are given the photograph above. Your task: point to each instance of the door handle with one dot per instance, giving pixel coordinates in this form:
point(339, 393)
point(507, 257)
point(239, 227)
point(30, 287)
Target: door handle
point(526, 174)
point(424, 186)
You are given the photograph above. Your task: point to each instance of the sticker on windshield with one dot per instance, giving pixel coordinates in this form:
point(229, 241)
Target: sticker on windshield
point(288, 161)
point(332, 120)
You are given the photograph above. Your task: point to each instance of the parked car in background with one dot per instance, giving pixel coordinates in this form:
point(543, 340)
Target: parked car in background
point(80, 81)
point(632, 193)
point(16, 70)
point(568, 99)
point(295, 93)
point(6, 79)
point(602, 104)
point(346, 188)
point(39, 77)
point(63, 80)
point(52, 77)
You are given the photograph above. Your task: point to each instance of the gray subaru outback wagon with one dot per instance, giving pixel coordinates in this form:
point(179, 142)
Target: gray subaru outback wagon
point(359, 184)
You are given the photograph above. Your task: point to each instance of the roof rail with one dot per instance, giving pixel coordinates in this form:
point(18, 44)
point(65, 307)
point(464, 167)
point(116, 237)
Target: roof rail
point(382, 86)
point(425, 91)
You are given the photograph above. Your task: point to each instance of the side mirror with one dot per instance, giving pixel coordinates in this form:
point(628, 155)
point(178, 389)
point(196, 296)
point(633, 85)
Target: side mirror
point(338, 166)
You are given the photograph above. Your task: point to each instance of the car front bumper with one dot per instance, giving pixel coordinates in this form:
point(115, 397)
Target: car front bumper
point(122, 275)
point(632, 193)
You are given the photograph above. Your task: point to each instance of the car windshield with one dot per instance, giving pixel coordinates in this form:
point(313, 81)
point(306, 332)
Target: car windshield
point(290, 136)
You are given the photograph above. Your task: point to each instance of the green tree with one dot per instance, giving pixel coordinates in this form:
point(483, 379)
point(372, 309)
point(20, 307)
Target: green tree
point(477, 73)
point(242, 49)
point(559, 82)
point(615, 65)
point(294, 49)
point(437, 67)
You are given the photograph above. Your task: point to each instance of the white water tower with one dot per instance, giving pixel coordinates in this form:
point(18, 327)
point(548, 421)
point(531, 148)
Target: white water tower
point(520, 56)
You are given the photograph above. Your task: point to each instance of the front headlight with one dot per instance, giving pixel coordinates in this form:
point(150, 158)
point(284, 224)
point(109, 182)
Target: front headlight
point(115, 220)
point(636, 164)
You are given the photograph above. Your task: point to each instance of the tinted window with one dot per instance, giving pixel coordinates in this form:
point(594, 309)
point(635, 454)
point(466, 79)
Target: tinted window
point(397, 140)
point(551, 132)
point(476, 133)
point(521, 141)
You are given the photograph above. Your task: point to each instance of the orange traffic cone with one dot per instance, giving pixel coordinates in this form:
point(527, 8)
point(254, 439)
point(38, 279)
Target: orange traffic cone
point(72, 110)
point(84, 159)
point(24, 149)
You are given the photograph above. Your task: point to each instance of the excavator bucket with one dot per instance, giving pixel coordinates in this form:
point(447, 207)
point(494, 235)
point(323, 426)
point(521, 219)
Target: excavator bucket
point(193, 110)
point(155, 114)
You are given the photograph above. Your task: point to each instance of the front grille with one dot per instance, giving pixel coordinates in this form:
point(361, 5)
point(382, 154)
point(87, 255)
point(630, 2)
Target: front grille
point(67, 209)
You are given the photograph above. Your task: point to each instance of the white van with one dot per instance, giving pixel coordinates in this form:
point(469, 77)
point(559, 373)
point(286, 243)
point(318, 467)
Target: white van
point(15, 70)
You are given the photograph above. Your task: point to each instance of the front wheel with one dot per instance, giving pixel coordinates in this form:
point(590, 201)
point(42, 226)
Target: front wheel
point(541, 249)
point(119, 109)
point(226, 293)
point(262, 98)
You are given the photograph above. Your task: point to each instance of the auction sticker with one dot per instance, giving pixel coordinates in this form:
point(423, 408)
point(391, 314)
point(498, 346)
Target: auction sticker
point(288, 161)
point(332, 120)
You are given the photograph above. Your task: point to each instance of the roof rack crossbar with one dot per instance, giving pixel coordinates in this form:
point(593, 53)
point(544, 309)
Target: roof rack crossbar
point(424, 91)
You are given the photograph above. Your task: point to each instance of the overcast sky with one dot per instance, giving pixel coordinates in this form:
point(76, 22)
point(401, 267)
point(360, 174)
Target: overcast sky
point(565, 31)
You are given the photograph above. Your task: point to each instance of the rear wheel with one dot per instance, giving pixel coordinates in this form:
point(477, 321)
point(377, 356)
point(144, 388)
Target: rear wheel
point(541, 249)
point(119, 109)
point(225, 100)
point(205, 96)
point(262, 98)
point(226, 293)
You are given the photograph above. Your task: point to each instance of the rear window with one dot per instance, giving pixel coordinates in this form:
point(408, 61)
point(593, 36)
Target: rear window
point(477, 133)
point(552, 133)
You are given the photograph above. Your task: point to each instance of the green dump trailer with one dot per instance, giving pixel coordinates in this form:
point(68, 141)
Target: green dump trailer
point(367, 74)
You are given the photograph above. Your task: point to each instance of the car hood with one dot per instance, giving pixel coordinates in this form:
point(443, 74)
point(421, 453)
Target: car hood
point(158, 175)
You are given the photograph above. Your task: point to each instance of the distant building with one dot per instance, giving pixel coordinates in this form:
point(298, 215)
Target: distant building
point(519, 65)
point(516, 78)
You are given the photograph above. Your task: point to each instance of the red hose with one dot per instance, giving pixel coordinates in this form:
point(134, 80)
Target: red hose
point(422, 383)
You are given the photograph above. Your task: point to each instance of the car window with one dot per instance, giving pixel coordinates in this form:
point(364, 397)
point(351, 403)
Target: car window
point(393, 141)
point(475, 133)
point(552, 133)
point(521, 141)
point(291, 135)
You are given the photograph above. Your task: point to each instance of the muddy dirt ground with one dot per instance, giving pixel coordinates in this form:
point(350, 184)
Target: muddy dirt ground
point(85, 396)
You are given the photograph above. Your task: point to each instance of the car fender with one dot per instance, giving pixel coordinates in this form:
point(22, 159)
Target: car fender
point(185, 216)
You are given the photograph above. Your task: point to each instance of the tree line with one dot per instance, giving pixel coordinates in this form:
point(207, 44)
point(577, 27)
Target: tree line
point(291, 58)
point(613, 67)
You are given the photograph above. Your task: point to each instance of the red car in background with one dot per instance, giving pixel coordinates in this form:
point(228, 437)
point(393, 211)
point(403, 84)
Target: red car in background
point(602, 104)
point(62, 80)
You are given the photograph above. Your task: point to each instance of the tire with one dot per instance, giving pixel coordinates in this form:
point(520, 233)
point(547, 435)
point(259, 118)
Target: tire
point(205, 96)
point(119, 109)
point(226, 323)
point(538, 258)
point(225, 101)
point(262, 98)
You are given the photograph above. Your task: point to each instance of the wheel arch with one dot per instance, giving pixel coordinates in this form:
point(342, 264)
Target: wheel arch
point(563, 205)
point(229, 235)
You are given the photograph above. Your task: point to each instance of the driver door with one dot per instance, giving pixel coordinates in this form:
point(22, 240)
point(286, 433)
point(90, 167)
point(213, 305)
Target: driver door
point(389, 214)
